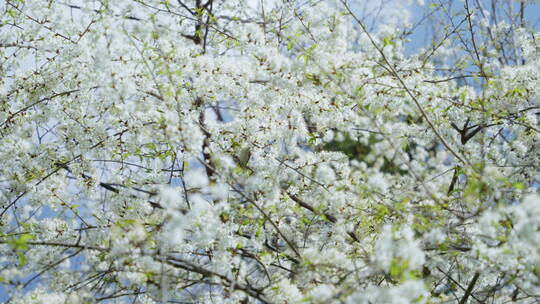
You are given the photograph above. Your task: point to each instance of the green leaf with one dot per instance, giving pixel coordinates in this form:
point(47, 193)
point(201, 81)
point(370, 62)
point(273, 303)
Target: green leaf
point(388, 40)
point(519, 186)
point(20, 244)
point(398, 267)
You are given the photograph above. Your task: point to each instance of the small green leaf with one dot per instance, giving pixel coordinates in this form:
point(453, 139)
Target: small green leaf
point(519, 186)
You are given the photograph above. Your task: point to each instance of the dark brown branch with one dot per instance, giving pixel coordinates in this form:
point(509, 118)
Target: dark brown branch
point(470, 288)
point(191, 267)
point(36, 103)
point(55, 244)
point(330, 217)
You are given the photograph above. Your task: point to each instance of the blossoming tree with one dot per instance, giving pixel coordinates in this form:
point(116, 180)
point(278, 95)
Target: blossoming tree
point(203, 151)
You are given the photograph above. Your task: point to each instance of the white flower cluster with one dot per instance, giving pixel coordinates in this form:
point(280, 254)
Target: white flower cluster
point(268, 152)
